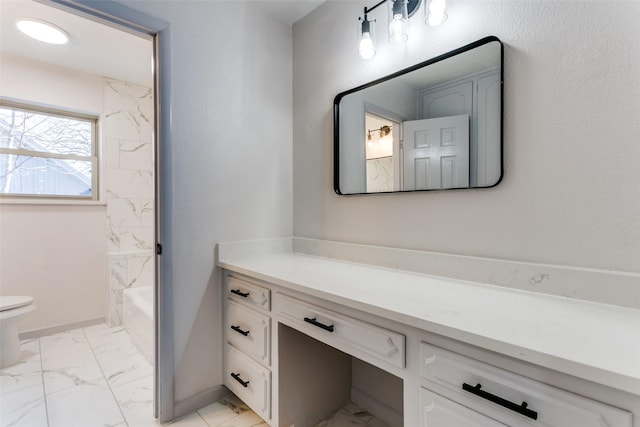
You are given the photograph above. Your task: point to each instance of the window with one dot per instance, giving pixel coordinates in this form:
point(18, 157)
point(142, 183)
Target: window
point(47, 153)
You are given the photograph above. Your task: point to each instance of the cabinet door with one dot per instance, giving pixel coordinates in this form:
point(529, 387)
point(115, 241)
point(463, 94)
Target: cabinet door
point(246, 292)
point(368, 342)
point(437, 411)
point(248, 330)
point(552, 407)
point(248, 380)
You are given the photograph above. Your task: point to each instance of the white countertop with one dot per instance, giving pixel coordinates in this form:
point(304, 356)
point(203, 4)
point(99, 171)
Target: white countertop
point(593, 341)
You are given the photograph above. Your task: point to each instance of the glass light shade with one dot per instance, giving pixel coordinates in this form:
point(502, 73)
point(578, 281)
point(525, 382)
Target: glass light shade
point(366, 35)
point(43, 31)
point(436, 12)
point(398, 21)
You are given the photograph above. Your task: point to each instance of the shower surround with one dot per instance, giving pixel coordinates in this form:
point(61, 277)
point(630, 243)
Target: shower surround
point(127, 135)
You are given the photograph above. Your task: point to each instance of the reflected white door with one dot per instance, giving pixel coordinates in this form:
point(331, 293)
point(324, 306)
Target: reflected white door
point(436, 153)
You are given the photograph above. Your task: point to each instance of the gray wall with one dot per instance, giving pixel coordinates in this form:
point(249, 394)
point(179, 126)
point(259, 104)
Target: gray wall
point(229, 158)
point(571, 192)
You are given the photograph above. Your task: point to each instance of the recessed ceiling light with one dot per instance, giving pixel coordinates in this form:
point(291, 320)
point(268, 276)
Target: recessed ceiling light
point(43, 31)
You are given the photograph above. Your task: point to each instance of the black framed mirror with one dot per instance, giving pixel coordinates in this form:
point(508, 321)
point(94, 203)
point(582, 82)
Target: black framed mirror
point(434, 126)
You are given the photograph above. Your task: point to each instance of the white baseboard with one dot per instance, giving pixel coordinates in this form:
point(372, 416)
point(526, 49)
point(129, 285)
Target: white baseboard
point(37, 333)
point(200, 400)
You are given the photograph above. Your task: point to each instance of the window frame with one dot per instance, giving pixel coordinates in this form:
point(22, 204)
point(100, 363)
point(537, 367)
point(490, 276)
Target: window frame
point(95, 158)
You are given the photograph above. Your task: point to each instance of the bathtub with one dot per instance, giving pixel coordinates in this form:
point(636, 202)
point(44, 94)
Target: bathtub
point(137, 319)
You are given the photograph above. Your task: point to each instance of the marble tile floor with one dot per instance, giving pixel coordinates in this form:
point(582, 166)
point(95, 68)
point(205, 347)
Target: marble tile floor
point(95, 376)
point(351, 415)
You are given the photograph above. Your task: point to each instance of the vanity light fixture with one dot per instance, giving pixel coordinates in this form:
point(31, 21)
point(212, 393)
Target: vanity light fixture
point(43, 31)
point(366, 47)
point(399, 13)
point(398, 21)
point(435, 12)
point(384, 131)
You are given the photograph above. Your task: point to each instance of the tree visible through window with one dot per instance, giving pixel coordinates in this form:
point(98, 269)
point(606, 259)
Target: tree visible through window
point(47, 153)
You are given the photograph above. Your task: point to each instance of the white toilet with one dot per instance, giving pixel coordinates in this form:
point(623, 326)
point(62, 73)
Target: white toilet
point(11, 310)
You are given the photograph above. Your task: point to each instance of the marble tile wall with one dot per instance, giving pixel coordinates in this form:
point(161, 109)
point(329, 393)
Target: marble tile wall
point(127, 133)
point(379, 175)
point(126, 270)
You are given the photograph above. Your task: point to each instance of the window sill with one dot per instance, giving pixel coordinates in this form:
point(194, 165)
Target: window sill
point(43, 201)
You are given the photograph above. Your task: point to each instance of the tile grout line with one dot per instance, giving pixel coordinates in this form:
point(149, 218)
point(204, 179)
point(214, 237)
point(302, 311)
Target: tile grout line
point(44, 390)
point(125, 421)
point(202, 418)
point(105, 378)
point(104, 375)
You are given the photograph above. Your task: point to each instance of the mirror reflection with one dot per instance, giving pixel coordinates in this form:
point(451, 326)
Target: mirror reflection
point(434, 126)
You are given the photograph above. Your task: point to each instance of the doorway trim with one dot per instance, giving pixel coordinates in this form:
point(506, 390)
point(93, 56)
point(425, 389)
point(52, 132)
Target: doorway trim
point(133, 21)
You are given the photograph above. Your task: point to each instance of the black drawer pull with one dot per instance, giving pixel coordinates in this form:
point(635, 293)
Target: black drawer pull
point(239, 292)
point(236, 377)
point(240, 331)
point(521, 409)
point(314, 322)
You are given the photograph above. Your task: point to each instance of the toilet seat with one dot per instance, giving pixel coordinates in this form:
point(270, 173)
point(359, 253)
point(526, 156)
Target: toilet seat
point(11, 302)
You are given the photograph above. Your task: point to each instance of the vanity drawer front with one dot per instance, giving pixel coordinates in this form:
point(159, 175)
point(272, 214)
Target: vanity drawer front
point(550, 406)
point(248, 330)
point(438, 411)
point(248, 380)
point(345, 333)
point(246, 292)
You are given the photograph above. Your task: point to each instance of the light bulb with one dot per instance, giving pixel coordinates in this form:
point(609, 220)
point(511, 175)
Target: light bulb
point(436, 12)
point(43, 31)
point(366, 34)
point(398, 21)
point(397, 30)
point(367, 50)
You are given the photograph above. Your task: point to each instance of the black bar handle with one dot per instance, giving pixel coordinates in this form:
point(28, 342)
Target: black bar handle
point(239, 292)
point(236, 377)
point(240, 331)
point(521, 409)
point(314, 322)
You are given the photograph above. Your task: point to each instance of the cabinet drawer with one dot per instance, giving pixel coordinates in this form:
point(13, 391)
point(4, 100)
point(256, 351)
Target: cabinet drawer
point(438, 411)
point(248, 330)
point(345, 333)
point(247, 292)
point(250, 381)
point(551, 407)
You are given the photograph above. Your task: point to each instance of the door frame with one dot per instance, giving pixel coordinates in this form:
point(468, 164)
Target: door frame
point(124, 18)
point(397, 120)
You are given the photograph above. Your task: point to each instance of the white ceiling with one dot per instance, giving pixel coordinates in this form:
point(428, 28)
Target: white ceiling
point(99, 49)
point(93, 47)
point(289, 11)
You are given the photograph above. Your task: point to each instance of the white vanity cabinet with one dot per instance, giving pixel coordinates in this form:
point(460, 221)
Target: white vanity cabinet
point(508, 397)
point(344, 332)
point(247, 333)
point(437, 411)
point(293, 343)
